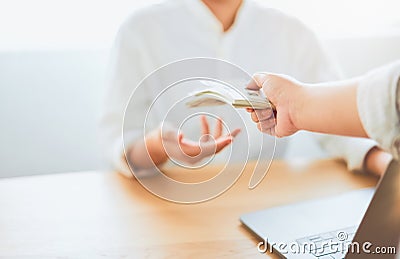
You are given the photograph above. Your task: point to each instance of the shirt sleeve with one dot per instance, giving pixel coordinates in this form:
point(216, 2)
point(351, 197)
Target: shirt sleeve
point(317, 66)
point(125, 71)
point(378, 106)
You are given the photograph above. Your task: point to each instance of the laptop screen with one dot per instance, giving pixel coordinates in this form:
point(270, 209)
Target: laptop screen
point(378, 235)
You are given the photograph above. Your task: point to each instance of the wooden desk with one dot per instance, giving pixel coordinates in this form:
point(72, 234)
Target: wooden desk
point(100, 214)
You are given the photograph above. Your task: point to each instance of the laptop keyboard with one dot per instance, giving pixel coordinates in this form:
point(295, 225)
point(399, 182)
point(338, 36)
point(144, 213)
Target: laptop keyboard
point(320, 245)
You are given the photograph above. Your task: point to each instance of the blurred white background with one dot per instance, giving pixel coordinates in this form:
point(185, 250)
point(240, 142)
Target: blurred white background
point(53, 57)
point(77, 24)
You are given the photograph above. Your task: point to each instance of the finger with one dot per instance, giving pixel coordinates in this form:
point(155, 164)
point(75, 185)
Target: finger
point(189, 148)
point(263, 130)
point(270, 131)
point(180, 138)
point(188, 142)
point(260, 79)
point(264, 114)
point(218, 129)
point(254, 117)
point(205, 128)
point(221, 143)
point(253, 85)
point(235, 132)
point(259, 127)
point(267, 124)
point(249, 109)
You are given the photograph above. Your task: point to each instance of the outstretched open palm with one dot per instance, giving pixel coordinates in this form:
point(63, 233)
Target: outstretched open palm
point(189, 151)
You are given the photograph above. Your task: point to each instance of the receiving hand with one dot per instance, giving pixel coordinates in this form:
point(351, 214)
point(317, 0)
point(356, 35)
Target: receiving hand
point(188, 151)
point(282, 92)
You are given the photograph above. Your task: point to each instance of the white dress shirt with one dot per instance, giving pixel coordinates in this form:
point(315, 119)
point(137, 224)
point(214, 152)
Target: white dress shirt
point(261, 39)
point(378, 100)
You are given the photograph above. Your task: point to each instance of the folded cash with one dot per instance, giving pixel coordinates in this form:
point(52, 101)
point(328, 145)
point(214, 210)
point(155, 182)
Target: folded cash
point(214, 93)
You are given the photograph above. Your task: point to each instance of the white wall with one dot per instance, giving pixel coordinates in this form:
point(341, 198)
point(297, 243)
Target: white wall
point(358, 55)
point(50, 102)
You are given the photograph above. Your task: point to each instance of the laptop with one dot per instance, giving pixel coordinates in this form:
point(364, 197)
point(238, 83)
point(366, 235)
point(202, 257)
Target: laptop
point(359, 224)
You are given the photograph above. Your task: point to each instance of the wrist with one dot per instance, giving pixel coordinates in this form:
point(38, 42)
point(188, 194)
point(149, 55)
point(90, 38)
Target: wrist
point(297, 110)
point(148, 151)
point(155, 147)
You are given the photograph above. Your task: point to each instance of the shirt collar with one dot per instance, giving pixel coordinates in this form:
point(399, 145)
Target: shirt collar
point(198, 8)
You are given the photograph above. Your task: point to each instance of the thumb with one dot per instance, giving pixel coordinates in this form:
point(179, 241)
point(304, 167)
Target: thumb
point(269, 84)
point(256, 81)
point(260, 79)
point(263, 80)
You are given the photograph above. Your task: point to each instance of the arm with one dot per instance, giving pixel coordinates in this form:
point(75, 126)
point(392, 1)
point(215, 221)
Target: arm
point(336, 101)
point(125, 71)
point(293, 97)
point(307, 107)
point(315, 65)
point(304, 107)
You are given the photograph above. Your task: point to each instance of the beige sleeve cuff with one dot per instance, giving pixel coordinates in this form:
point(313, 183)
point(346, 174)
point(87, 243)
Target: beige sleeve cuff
point(119, 151)
point(377, 97)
